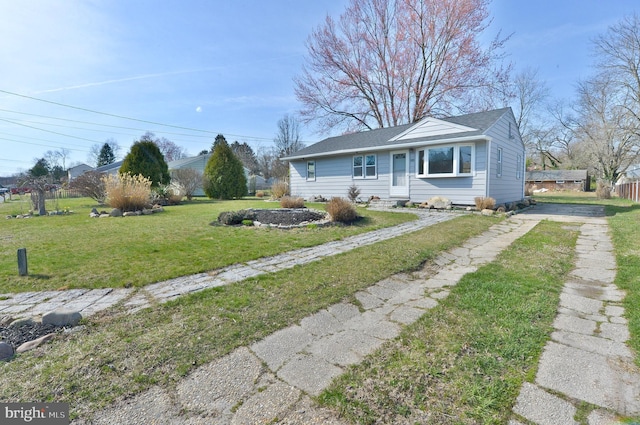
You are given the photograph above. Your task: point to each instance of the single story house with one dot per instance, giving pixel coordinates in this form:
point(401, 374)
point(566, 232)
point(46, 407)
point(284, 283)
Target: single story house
point(77, 171)
point(113, 168)
point(575, 180)
point(198, 163)
point(460, 158)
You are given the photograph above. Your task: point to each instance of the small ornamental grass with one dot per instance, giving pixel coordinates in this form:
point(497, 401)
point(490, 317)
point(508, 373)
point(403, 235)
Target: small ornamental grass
point(290, 202)
point(483, 203)
point(341, 210)
point(127, 192)
point(279, 189)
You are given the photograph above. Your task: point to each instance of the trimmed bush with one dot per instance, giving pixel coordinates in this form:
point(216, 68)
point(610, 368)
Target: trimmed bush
point(231, 218)
point(279, 189)
point(483, 203)
point(127, 192)
point(260, 194)
point(289, 202)
point(341, 210)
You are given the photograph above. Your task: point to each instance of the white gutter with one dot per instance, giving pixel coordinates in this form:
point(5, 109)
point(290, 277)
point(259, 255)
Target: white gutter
point(394, 147)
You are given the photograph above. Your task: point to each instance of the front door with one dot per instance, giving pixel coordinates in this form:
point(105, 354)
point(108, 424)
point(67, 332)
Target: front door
point(399, 174)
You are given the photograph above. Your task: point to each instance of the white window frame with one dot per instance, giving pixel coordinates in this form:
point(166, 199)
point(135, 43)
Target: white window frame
point(499, 163)
point(519, 167)
point(364, 167)
point(312, 178)
point(424, 164)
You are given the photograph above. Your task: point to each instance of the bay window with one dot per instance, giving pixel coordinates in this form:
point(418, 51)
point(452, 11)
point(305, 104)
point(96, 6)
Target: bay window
point(445, 161)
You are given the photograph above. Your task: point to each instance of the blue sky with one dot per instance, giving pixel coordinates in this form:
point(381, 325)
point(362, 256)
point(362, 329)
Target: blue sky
point(211, 66)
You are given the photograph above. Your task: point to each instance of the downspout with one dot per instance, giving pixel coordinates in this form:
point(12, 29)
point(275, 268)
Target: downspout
point(488, 176)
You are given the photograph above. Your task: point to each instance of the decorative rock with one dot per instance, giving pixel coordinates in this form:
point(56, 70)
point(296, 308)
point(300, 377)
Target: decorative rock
point(440, 203)
point(116, 212)
point(487, 211)
point(147, 212)
point(6, 351)
point(157, 209)
point(5, 320)
point(21, 322)
point(34, 344)
point(129, 214)
point(61, 318)
point(104, 215)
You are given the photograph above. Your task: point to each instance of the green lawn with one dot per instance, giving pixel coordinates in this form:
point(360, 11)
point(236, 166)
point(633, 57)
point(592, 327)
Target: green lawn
point(120, 354)
point(76, 251)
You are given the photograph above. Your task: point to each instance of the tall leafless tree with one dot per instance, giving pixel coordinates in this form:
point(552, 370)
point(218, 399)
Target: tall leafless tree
point(390, 62)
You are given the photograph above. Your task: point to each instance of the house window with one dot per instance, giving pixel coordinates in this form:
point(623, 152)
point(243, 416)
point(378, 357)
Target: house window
point(364, 166)
point(311, 170)
point(499, 165)
point(559, 181)
point(519, 167)
point(445, 161)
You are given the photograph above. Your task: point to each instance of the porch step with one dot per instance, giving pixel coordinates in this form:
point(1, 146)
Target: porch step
point(387, 203)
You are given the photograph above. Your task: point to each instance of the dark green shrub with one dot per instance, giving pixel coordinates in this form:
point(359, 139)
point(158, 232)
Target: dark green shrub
point(341, 210)
point(224, 174)
point(145, 159)
point(231, 218)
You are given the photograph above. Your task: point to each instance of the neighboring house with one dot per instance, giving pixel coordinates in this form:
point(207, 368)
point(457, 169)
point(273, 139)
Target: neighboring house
point(113, 168)
point(198, 163)
point(460, 158)
point(78, 170)
point(576, 180)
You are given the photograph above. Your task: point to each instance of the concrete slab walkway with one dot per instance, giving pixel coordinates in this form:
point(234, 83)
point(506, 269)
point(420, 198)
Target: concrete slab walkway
point(586, 364)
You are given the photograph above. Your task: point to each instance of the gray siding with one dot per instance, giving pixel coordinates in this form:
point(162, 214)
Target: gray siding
point(334, 177)
point(508, 187)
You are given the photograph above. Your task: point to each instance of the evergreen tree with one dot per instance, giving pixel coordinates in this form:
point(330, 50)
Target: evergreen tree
point(224, 175)
point(40, 169)
point(219, 139)
point(146, 159)
point(106, 155)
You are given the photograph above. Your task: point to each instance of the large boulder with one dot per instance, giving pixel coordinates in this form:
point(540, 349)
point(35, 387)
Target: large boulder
point(116, 212)
point(30, 345)
point(440, 203)
point(61, 318)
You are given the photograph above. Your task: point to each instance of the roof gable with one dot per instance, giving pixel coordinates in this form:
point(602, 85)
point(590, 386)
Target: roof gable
point(430, 127)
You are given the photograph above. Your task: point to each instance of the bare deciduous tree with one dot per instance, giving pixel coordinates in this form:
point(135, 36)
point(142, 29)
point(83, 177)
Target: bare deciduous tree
point(286, 142)
point(188, 179)
point(390, 62)
point(606, 127)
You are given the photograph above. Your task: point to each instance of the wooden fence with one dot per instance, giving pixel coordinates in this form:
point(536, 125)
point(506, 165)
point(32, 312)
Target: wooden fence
point(62, 194)
point(629, 190)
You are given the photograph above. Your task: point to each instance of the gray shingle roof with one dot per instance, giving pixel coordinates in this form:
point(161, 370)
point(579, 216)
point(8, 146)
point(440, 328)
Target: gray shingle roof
point(553, 175)
point(379, 138)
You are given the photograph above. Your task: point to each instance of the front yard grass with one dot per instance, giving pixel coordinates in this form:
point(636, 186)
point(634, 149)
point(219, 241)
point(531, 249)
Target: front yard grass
point(465, 360)
point(122, 354)
point(76, 251)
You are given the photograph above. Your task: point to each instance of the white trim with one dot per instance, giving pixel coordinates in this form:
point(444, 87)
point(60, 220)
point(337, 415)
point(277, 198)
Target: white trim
point(455, 161)
point(399, 191)
point(364, 166)
point(315, 171)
